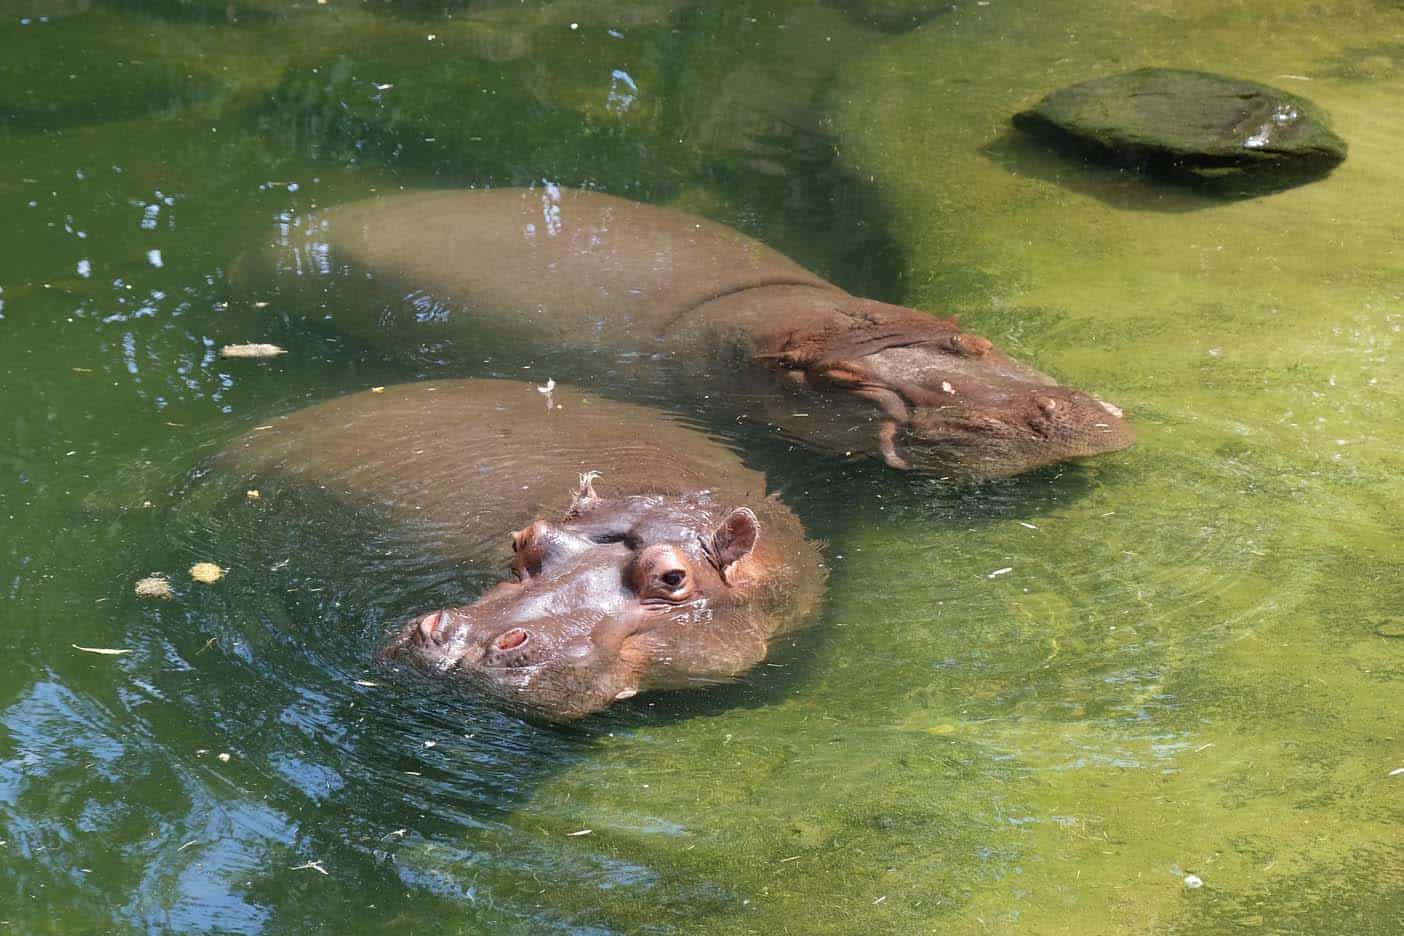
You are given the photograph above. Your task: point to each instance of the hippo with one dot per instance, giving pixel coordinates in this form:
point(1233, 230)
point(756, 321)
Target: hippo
point(641, 554)
point(620, 282)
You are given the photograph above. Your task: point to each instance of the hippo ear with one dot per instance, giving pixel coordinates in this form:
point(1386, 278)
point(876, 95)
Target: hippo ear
point(734, 539)
point(585, 495)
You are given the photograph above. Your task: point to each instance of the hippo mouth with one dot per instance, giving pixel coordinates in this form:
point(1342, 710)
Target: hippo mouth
point(993, 442)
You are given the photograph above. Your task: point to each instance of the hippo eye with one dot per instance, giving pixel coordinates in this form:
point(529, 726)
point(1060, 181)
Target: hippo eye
point(673, 578)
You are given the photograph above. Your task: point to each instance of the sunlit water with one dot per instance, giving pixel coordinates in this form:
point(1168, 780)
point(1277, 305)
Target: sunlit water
point(1038, 706)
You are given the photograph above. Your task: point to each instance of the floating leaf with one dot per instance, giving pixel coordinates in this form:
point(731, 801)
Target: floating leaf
point(251, 351)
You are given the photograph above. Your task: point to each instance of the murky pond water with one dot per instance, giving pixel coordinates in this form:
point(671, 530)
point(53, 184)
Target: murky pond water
point(1191, 667)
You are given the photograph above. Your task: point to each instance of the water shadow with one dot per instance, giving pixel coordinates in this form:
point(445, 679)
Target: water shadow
point(1137, 184)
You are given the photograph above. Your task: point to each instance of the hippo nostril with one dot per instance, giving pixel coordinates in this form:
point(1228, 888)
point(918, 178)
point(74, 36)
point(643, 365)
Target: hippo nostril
point(511, 640)
point(429, 626)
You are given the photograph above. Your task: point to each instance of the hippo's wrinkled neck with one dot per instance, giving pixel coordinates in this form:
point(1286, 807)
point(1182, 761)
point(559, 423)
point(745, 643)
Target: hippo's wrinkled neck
point(761, 317)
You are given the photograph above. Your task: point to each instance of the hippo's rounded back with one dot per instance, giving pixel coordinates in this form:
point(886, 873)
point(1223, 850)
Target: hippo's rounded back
point(644, 555)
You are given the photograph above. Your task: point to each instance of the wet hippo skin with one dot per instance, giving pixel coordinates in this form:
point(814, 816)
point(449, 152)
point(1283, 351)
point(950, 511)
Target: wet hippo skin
point(637, 554)
point(735, 323)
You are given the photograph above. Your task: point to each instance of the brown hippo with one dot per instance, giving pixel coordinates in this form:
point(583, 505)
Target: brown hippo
point(553, 268)
point(645, 556)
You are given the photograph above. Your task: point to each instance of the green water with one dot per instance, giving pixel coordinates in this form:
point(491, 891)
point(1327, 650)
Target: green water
point(1192, 666)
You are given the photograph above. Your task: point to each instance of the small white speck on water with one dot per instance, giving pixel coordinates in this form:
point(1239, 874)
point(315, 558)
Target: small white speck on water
point(1193, 882)
point(998, 572)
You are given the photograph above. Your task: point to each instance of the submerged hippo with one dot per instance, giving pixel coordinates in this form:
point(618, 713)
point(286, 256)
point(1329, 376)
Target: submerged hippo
point(556, 269)
point(645, 556)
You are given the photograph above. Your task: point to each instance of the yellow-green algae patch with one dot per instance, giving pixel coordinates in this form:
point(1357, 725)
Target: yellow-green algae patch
point(1242, 555)
point(1181, 679)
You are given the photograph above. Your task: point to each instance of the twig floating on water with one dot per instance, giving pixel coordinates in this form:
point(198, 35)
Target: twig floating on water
point(105, 651)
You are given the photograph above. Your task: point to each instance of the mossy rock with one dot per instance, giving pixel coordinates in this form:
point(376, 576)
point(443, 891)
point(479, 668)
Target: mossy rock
point(1189, 124)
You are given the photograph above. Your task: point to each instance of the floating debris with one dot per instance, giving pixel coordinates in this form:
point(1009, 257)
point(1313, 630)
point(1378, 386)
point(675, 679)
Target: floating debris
point(154, 586)
point(1193, 881)
point(252, 494)
point(223, 757)
point(1397, 772)
point(251, 351)
point(105, 651)
point(998, 572)
point(206, 572)
point(311, 866)
point(581, 832)
point(377, 389)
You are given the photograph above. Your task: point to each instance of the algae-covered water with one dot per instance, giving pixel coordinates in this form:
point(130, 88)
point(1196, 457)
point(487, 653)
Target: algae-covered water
point(1049, 705)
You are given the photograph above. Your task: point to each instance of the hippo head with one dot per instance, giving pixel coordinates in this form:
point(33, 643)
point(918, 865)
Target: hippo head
point(621, 596)
point(950, 402)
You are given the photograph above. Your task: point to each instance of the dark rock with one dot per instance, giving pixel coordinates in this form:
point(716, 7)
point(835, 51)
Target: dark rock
point(1189, 123)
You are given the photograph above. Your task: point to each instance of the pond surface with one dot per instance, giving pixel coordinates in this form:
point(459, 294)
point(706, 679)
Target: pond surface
point(1188, 667)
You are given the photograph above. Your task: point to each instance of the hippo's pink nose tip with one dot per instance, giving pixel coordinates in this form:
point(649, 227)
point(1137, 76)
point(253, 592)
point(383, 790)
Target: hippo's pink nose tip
point(429, 625)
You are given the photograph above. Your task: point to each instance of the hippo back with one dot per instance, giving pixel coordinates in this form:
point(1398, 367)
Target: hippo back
point(462, 463)
point(549, 265)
